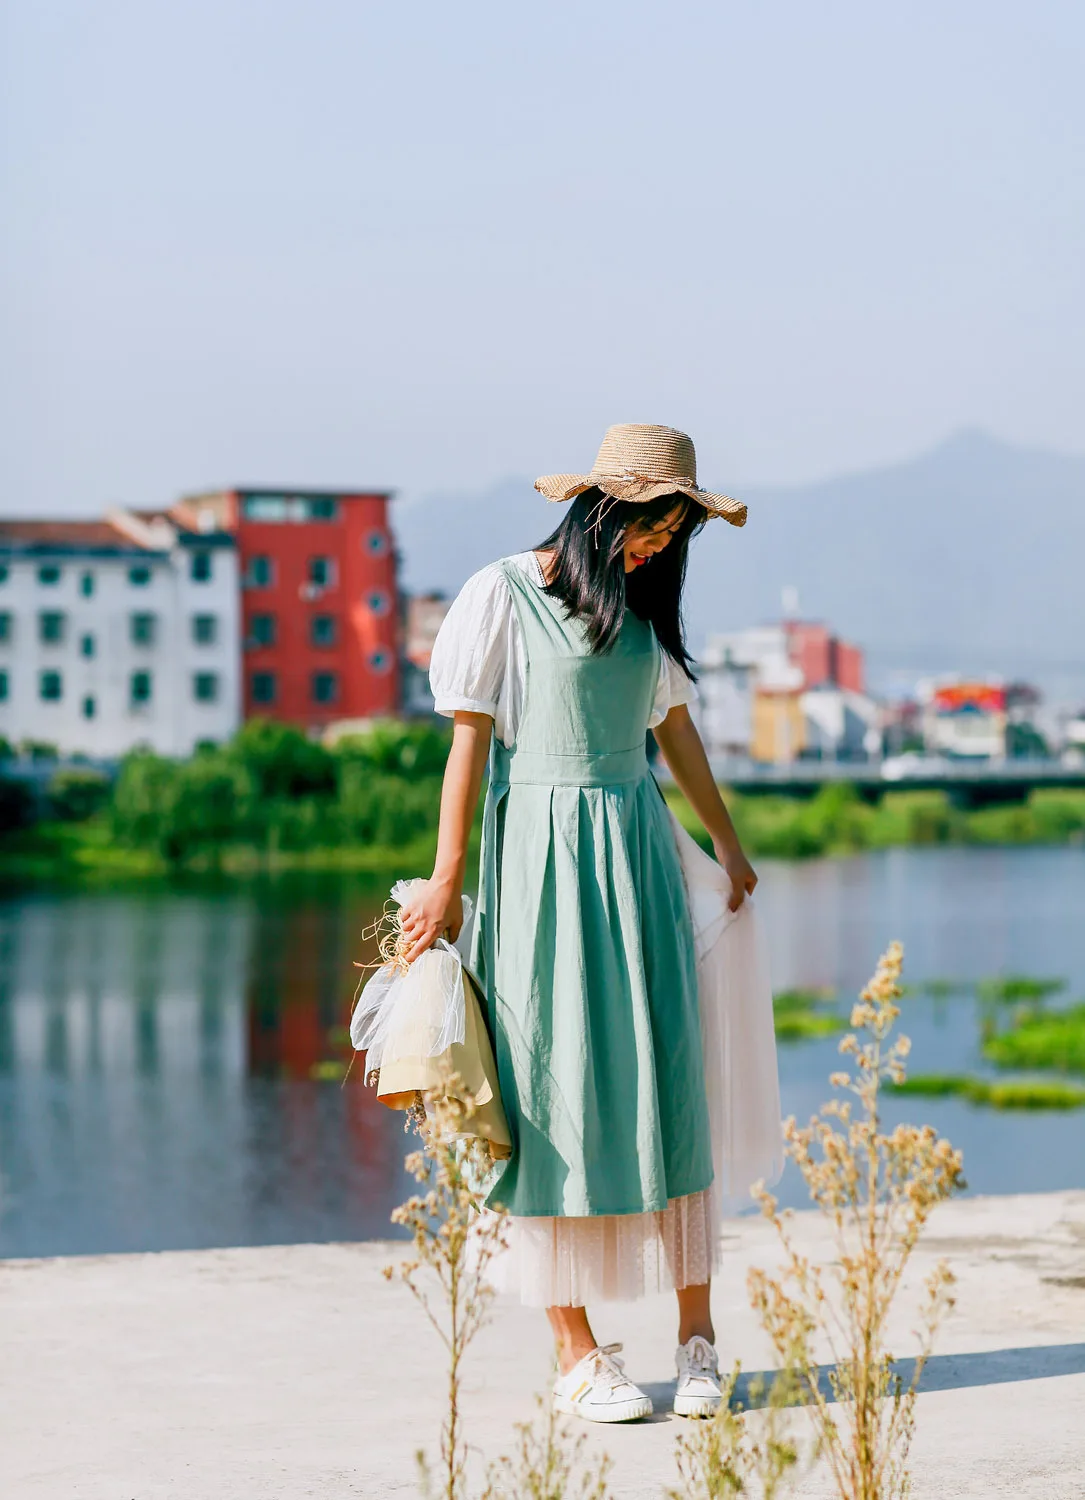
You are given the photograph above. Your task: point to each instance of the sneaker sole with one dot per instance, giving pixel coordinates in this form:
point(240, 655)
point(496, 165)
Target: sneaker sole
point(695, 1406)
point(618, 1411)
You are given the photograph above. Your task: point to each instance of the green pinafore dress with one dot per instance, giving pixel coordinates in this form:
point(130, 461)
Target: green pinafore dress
point(583, 940)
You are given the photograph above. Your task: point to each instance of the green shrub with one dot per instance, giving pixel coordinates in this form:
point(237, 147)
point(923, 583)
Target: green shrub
point(75, 796)
point(281, 760)
point(397, 749)
point(17, 804)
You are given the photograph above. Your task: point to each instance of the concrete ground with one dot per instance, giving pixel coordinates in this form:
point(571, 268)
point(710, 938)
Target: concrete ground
point(298, 1371)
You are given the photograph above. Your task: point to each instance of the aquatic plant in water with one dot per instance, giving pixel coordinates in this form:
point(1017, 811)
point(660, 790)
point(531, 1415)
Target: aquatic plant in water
point(999, 1093)
point(1010, 988)
point(1053, 1039)
point(801, 1014)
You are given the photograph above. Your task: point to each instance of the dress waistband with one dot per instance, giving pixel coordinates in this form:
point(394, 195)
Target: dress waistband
point(545, 768)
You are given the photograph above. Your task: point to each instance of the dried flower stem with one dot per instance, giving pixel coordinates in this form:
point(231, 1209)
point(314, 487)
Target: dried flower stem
point(878, 1191)
point(456, 1239)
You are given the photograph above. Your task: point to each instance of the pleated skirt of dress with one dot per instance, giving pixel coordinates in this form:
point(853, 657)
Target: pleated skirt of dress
point(570, 1261)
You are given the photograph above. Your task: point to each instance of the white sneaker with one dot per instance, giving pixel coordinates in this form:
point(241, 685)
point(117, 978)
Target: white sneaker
point(698, 1393)
point(597, 1389)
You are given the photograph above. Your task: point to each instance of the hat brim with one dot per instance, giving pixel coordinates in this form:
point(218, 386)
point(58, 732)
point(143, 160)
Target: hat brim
point(560, 487)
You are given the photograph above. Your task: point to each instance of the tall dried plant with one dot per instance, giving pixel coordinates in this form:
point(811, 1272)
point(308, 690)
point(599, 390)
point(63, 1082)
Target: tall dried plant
point(878, 1190)
point(738, 1452)
point(547, 1464)
point(456, 1240)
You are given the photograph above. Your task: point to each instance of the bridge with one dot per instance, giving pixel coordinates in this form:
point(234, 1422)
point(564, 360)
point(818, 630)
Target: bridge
point(967, 784)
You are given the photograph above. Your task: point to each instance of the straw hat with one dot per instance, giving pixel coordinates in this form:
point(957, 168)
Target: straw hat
point(638, 461)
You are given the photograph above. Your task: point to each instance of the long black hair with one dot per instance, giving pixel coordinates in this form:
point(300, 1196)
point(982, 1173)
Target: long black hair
point(588, 571)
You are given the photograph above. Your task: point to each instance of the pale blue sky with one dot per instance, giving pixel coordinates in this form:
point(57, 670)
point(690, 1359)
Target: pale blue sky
point(427, 246)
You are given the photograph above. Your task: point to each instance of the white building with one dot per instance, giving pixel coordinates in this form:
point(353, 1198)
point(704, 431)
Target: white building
point(118, 633)
point(730, 671)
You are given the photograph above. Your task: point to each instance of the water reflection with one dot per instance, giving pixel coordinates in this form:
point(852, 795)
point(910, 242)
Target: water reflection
point(158, 1050)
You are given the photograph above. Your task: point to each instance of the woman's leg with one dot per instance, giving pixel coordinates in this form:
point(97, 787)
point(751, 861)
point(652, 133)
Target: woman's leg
point(695, 1313)
point(572, 1335)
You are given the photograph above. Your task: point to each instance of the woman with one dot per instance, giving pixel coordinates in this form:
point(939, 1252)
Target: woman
point(555, 663)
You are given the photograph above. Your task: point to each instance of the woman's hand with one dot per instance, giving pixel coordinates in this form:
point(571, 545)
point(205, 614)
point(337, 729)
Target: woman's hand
point(433, 909)
point(741, 873)
point(435, 906)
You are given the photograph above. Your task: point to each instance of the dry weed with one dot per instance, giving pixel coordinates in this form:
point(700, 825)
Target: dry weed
point(456, 1240)
point(878, 1190)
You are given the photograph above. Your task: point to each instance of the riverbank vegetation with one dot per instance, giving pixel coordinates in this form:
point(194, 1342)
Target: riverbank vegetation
point(272, 799)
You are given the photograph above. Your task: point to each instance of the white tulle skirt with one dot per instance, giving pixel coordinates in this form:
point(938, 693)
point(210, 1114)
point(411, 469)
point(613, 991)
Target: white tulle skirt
point(569, 1262)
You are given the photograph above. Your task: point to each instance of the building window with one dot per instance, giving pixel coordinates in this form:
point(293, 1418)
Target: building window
point(290, 508)
point(205, 687)
point(86, 585)
point(49, 573)
point(90, 708)
point(263, 687)
point(199, 567)
point(87, 645)
point(142, 629)
point(205, 629)
point(261, 631)
point(378, 602)
point(324, 687)
point(322, 572)
point(139, 575)
point(4, 687)
point(376, 543)
point(50, 687)
point(5, 628)
point(139, 688)
point(380, 661)
point(50, 627)
point(260, 573)
point(323, 630)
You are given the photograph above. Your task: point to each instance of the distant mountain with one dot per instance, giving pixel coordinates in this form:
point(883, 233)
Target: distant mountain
point(969, 557)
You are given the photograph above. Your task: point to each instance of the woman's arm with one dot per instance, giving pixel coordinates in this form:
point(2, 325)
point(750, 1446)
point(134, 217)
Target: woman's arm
point(438, 907)
point(684, 753)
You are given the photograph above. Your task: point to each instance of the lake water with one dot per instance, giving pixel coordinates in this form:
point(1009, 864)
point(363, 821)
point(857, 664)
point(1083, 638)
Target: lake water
point(157, 1050)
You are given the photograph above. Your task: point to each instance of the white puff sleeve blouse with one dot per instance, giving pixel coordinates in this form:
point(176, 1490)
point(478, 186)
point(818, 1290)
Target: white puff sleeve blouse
point(477, 664)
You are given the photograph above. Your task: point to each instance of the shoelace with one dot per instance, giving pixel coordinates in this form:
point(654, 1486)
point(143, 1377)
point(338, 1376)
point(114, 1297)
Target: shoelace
point(606, 1369)
point(702, 1356)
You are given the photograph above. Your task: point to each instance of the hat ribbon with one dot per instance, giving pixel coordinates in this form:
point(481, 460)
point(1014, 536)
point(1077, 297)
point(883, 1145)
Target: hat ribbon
point(677, 480)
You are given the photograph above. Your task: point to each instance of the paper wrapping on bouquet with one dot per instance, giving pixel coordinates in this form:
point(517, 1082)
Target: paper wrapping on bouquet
point(417, 1025)
point(737, 1032)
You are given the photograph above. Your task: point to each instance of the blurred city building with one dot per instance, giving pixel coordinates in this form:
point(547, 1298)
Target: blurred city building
point(319, 605)
point(118, 632)
point(778, 693)
point(422, 619)
point(964, 719)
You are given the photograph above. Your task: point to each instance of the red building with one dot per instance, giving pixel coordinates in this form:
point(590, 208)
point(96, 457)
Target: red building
point(319, 606)
point(823, 659)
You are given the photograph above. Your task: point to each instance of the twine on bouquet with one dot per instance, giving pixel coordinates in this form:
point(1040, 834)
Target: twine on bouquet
point(391, 940)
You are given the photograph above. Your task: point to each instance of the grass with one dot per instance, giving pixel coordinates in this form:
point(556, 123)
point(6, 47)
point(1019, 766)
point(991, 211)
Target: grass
point(800, 1015)
point(1053, 1040)
point(997, 1093)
